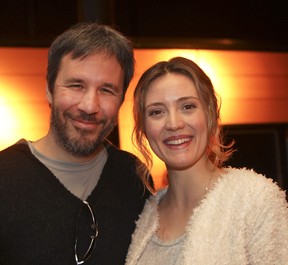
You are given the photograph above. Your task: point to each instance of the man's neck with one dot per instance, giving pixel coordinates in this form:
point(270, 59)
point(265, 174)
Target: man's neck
point(50, 148)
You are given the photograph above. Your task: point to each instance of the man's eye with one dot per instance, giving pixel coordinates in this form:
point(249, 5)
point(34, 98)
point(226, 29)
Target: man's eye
point(76, 86)
point(106, 90)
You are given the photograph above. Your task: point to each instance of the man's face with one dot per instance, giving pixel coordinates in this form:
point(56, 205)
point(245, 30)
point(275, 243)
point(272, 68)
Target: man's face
point(87, 96)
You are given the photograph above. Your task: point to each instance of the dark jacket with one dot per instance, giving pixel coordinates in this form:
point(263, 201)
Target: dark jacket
point(38, 214)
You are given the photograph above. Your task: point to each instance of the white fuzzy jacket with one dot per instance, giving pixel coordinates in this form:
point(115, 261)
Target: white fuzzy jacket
point(242, 220)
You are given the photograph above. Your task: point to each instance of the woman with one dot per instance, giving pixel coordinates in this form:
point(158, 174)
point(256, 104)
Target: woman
point(209, 214)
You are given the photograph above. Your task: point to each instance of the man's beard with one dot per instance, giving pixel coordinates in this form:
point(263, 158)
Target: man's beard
point(79, 145)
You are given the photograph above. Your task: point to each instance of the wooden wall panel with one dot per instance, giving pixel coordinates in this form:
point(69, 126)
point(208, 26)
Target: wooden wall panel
point(246, 62)
point(253, 85)
point(23, 87)
point(23, 106)
point(23, 61)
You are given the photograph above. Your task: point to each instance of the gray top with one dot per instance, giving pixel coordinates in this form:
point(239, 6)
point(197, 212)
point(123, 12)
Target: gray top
point(158, 252)
point(79, 178)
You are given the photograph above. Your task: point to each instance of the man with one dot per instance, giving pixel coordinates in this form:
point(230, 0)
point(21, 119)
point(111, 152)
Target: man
point(72, 197)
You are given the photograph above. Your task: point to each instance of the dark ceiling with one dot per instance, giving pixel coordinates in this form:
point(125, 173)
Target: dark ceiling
point(244, 25)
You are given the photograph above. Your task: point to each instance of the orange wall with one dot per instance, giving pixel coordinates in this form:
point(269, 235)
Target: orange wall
point(252, 85)
point(24, 111)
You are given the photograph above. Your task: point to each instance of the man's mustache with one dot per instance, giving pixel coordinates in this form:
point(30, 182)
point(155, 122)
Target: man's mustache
point(85, 117)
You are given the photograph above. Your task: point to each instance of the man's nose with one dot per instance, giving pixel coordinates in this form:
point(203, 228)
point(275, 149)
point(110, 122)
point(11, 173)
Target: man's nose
point(89, 102)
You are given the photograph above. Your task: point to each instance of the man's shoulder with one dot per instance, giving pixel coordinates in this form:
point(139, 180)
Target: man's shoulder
point(18, 147)
point(16, 154)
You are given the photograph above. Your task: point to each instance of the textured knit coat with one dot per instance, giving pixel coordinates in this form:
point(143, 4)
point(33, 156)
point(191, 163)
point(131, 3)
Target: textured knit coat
point(242, 220)
point(38, 214)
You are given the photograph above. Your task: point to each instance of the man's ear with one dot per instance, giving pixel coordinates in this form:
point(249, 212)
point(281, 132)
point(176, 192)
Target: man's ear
point(49, 96)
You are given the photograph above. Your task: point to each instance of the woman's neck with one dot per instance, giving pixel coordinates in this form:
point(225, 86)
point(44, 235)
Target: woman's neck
point(184, 194)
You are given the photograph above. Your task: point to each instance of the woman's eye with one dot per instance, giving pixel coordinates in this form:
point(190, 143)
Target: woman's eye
point(155, 112)
point(188, 107)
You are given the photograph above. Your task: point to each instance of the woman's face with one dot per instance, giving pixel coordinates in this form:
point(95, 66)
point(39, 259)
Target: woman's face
point(175, 122)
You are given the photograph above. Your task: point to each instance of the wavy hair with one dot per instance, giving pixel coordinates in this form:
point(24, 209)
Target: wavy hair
point(217, 152)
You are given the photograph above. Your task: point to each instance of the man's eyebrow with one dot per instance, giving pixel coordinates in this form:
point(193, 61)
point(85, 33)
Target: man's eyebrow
point(110, 85)
point(72, 79)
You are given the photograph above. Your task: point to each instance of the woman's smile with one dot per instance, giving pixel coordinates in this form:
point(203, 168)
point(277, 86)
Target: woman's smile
point(178, 141)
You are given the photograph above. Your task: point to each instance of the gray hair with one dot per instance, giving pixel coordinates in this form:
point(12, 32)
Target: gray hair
point(84, 39)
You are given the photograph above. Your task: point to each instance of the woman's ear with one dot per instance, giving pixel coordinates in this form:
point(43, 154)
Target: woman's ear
point(49, 96)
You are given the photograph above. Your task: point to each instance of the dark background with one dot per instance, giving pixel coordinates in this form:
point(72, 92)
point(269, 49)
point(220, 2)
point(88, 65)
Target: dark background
point(262, 147)
point(244, 25)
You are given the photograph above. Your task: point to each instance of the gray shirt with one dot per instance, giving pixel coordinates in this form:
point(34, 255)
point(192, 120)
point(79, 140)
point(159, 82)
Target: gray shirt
point(158, 252)
point(79, 178)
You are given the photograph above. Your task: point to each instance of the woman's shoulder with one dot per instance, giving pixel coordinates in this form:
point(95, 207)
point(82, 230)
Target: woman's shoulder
point(246, 176)
point(152, 202)
point(250, 183)
point(149, 217)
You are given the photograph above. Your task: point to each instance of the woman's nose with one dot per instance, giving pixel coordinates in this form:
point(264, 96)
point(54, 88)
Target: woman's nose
point(174, 121)
point(89, 102)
